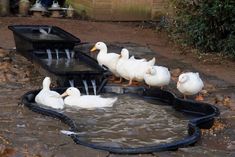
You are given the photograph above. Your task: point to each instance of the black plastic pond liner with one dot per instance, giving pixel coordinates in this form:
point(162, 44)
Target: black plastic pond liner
point(29, 37)
point(203, 114)
point(33, 44)
point(97, 73)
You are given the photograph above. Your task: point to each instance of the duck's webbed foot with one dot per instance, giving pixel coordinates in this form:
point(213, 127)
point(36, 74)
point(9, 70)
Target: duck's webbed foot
point(199, 97)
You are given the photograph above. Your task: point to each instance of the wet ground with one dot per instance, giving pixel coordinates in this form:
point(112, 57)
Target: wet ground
point(25, 133)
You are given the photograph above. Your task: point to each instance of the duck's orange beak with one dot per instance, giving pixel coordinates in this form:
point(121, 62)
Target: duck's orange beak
point(93, 49)
point(64, 94)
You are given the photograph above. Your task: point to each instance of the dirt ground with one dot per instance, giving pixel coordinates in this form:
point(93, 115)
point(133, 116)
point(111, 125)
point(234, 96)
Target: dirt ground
point(126, 32)
point(219, 73)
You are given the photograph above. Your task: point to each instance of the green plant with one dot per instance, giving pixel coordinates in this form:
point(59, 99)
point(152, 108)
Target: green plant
point(209, 25)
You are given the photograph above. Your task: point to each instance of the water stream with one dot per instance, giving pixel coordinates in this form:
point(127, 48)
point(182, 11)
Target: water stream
point(49, 54)
point(85, 86)
point(57, 54)
point(71, 83)
point(93, 82)
point(68, 54)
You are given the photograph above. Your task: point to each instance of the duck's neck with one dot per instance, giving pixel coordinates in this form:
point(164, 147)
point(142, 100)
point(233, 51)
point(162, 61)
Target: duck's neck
point(46, 88)
point(103, 51)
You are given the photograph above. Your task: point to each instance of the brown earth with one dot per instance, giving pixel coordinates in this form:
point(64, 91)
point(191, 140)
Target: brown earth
point(126, 32)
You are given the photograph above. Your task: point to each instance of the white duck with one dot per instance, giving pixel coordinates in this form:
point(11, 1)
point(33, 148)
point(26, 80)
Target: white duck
point(47, 97)
point(157, 76)
point(132, 69)
point(143, 59)
point(107, 59)
point(189, 83)
point(75, 99)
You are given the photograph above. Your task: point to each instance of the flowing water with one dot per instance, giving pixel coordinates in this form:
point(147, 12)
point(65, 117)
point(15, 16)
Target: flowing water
point(68, 53)
point(57, 54)
point(71, 83)
point(131, 122)
point(93, 82)
point(65, 65)
point(86, 86)
point(49, 54)
point(40, 36)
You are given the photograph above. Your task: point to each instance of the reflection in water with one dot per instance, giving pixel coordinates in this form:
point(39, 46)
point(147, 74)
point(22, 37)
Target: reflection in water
point(131, 122)
point(85, 86)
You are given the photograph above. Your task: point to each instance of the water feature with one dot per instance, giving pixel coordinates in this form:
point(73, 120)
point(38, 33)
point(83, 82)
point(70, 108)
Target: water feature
point(57, 54)
point(72, 54)
point(49, 54)
point(93, 82)
point(131, 122)
point(68, 54)
point(85, 86)
point(71, 82)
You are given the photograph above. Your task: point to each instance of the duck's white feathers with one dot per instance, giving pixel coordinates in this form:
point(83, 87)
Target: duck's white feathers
point(159, 78)
point(49, 98)
point(190, 83)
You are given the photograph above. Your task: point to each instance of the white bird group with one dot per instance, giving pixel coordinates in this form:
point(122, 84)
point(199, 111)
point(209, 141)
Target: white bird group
point(74, 98)
point(124, 67)
point(141, 70)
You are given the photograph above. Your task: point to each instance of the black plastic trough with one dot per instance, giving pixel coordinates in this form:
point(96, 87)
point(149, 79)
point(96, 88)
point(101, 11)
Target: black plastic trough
point(33, 42)
point(29, 37)
point(203, 118)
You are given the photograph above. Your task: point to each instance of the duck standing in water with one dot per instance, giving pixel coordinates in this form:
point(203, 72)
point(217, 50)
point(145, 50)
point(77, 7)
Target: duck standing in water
point(107, 59)
point(47, 97)
point(189, 83)
point(75, 99)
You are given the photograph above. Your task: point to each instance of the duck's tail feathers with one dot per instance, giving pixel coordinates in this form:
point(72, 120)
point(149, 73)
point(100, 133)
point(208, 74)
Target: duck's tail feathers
point(152, 61)
point(112, 101)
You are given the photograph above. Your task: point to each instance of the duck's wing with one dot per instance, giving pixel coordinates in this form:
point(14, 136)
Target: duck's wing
point(53, 94)
point(140, 60)
point(113, 55)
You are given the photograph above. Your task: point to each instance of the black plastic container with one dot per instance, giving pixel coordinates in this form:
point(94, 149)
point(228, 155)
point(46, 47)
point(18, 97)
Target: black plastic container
point(34, 42)
point(201, 117)
point(76, 73)
point(30, 37)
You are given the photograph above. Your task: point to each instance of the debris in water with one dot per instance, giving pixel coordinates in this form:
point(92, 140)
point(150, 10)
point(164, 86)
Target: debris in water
point(68, 132)
point(20, 125)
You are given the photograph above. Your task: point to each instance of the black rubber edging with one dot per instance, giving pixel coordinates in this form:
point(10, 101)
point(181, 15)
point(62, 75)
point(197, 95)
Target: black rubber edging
point(204, 113)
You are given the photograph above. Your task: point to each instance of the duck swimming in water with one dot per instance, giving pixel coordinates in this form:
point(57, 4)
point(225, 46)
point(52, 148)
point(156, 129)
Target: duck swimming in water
point(75, 99)
point(49, 98)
